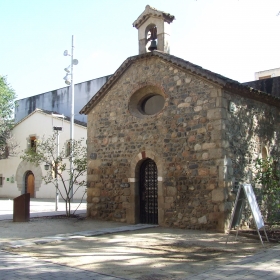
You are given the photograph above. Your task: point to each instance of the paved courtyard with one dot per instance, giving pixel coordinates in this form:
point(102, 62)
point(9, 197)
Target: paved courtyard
point(264, 265)
point(48, 248)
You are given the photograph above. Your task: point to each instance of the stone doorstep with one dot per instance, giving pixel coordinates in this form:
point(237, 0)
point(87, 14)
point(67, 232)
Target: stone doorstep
point(74, 235)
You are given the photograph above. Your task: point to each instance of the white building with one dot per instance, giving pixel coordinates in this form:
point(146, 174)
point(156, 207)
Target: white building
point(18, 177)
point(59, 100)
point(266, 74)
point(32, 123)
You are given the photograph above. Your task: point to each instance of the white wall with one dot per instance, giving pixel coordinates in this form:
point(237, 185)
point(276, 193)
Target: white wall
point(272, 73)
point(37, 124)
point(59, 100)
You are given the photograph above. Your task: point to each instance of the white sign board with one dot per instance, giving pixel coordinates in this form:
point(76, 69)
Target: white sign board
point(246, 190)
point(254, 205)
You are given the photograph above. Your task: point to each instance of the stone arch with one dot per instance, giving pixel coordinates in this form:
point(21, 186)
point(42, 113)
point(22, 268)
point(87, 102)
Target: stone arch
point(147, 83)
point(21, 172)
point(143, 92)
point(139, 158)
point(133, 214)
point(149, 28)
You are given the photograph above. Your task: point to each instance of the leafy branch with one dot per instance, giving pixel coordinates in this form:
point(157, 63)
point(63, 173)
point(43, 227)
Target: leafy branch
point(45, 152)
point(268, 175)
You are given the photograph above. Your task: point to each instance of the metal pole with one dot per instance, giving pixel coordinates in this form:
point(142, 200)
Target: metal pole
point(72, 121)
point(57, 154)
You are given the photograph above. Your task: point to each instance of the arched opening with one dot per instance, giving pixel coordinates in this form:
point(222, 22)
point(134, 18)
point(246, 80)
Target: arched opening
point(151, 37)
point(264, 153)
point(148, 192)
point(30, 184)
point(264, 157)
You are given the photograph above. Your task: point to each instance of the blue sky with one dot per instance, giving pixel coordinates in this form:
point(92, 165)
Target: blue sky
point(234, 38)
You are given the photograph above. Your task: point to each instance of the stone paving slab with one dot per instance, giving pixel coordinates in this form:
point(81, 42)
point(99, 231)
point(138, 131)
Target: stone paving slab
point(263, 265)
point(14, 267)
point(75, 235)
point(125, 257)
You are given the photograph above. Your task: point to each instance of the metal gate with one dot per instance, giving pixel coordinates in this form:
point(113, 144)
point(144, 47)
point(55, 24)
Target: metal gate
point(148, 192)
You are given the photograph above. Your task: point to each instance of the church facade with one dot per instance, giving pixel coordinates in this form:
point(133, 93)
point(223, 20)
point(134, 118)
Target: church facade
point(168, 141)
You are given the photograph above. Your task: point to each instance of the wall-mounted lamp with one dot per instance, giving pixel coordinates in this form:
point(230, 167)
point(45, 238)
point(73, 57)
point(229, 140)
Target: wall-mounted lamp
point(47, 166)
point(57, 128)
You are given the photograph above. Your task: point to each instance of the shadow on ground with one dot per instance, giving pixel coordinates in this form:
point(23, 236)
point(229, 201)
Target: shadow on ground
point(155, 253)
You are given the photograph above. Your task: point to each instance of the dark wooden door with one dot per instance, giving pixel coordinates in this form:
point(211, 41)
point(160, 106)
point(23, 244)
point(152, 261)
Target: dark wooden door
point(29, 184)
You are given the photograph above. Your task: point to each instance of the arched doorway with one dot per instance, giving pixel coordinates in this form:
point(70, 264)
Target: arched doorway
point(148, 191)
point(29, 183)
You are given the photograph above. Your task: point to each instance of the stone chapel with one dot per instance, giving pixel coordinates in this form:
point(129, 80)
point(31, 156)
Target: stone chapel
point(169, 142)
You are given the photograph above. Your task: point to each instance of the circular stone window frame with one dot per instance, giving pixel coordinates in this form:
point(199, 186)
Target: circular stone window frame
point(140, 95)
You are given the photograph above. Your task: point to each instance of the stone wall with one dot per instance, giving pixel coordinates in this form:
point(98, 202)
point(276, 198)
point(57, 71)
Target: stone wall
point(250, 127)
point(184, 139)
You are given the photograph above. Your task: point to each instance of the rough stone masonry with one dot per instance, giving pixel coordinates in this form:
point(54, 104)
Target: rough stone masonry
point(204, 141)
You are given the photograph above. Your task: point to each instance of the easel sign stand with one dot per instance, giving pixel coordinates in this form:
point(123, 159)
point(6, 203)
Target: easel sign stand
point(245, 191)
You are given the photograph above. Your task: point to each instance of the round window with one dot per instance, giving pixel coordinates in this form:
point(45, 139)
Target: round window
point(152, 104)
point(147, 101)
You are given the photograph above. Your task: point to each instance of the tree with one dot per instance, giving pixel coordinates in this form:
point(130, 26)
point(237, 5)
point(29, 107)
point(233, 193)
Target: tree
point(46, 153)
point(7, 104)
point(268, 175)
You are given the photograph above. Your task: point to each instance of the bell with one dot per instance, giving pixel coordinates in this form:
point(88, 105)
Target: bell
point(153, 46)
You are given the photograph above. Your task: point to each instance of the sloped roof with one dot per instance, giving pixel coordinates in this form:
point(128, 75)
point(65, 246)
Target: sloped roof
point(150, 11)
point(226, 83)
point(46, 112)
point(269, 85)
